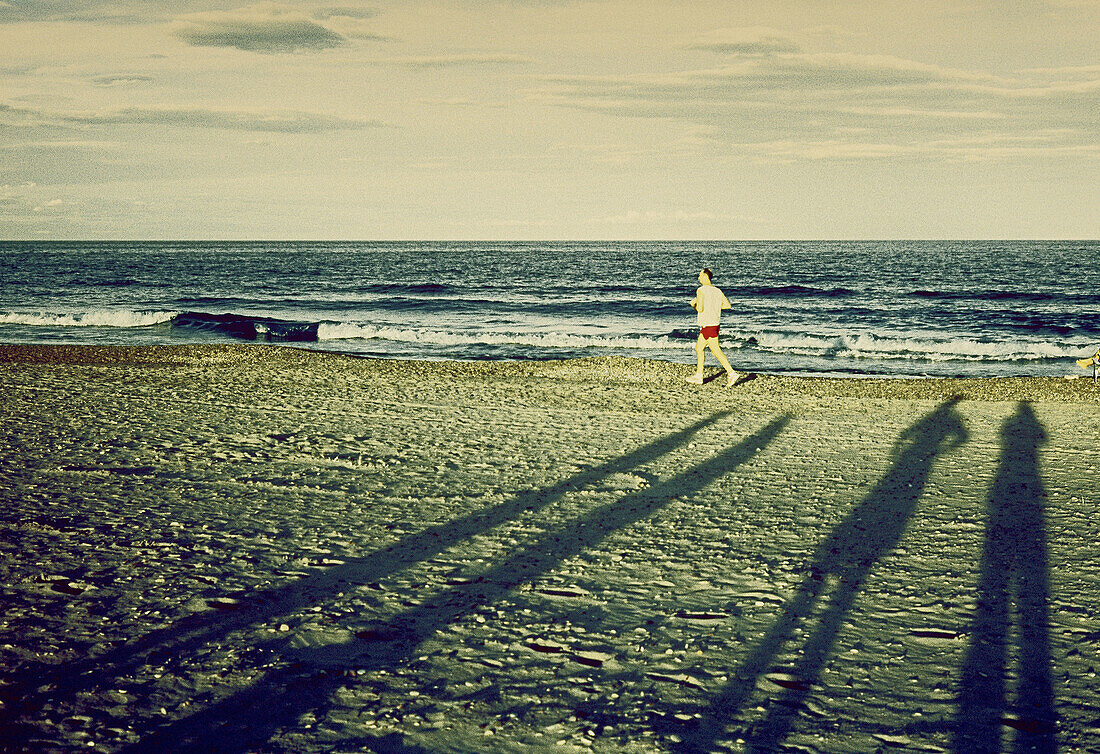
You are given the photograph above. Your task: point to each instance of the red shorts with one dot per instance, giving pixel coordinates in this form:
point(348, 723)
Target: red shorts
point(708, 332)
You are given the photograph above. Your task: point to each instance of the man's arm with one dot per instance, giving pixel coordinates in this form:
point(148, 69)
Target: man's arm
point(726, 302)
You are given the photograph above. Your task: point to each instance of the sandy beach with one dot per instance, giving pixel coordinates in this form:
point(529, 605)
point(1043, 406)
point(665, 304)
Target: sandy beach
point(249, 548)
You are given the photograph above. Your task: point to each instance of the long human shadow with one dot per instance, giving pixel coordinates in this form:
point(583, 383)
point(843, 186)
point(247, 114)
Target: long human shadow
point(1014, 566)
point(25, 692)
point(848, 553)
point(251, 717)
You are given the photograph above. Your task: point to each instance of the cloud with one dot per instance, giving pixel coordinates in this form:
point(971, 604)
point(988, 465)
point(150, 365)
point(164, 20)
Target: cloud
point(271, 121)
point(119, 12)
point(448, 61)
point(12, 115)
point(125, 79)
point(324, 14)
point(1074, 4)
point(350, 23)
point(264, 27)
point(848, 106)
point(19, 200)
point(784, 79)
point(10, 194)
point(1077, 71)
point(26, 11)
point(751, 41)
point(49, 205)
point(963, 149)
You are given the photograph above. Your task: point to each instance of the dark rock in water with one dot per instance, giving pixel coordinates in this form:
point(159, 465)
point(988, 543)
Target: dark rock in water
point(249, 328)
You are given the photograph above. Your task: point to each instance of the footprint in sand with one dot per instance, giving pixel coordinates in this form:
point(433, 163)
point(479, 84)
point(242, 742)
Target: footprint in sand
point(692, 615)
point(788, 681)
point(934, 636)
point(564, 591)
point(545, 646)
point(681, 678)
point(592, 659)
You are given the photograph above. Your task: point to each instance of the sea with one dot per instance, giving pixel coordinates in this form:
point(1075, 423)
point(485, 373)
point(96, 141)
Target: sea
point(840, 308)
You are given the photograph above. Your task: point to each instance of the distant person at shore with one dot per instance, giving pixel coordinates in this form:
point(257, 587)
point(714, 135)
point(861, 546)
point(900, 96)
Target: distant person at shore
point(709, 302)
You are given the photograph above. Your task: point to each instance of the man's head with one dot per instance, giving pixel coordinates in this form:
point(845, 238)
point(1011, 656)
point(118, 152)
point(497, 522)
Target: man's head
point(705, 276)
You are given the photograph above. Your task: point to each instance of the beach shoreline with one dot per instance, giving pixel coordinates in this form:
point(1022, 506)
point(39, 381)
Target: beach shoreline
point(662, 374)
point(250, 547)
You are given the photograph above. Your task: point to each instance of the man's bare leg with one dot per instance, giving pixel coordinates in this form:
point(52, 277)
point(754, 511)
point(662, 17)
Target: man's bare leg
point(700, 354)
point(731, 375)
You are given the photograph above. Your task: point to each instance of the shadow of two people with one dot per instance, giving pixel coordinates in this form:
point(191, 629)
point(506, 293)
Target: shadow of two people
point(1013, 570)
point(848, 553)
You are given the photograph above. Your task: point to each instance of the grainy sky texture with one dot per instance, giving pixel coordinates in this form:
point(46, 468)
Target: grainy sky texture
point(521, 119)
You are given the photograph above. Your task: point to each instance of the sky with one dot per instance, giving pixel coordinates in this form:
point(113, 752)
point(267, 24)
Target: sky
point(552, 119)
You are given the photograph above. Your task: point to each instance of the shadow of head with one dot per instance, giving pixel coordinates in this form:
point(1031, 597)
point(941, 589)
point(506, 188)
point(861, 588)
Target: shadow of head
point(942, 429)
point(1023, 429)
point(875, 525)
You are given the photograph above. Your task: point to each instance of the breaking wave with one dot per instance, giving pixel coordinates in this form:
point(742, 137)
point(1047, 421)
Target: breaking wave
point(330, 331)
point(90, 318)
point(838, 347)
point(869, 346)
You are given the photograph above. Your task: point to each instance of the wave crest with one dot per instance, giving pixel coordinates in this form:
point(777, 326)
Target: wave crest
point(869, 346)
point(345, 331)
point(90, 318)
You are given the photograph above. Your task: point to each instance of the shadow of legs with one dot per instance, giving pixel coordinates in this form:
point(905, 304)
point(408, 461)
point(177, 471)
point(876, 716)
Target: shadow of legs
point(1014, 565)
point(192, 633)
point(849, 552)
point(252, 716)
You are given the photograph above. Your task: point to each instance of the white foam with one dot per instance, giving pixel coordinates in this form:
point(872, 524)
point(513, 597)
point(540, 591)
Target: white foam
point(444, 338)
point(919, 346)
point(90, 318)
point(870, 346)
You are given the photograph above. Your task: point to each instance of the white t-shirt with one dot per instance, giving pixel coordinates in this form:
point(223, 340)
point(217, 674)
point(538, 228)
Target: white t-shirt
point(710, 300)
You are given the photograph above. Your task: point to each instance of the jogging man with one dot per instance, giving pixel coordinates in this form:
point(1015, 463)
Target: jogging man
point(709, 302)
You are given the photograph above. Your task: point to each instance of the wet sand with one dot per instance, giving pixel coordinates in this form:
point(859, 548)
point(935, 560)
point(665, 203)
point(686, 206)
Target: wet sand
point(248, 548)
